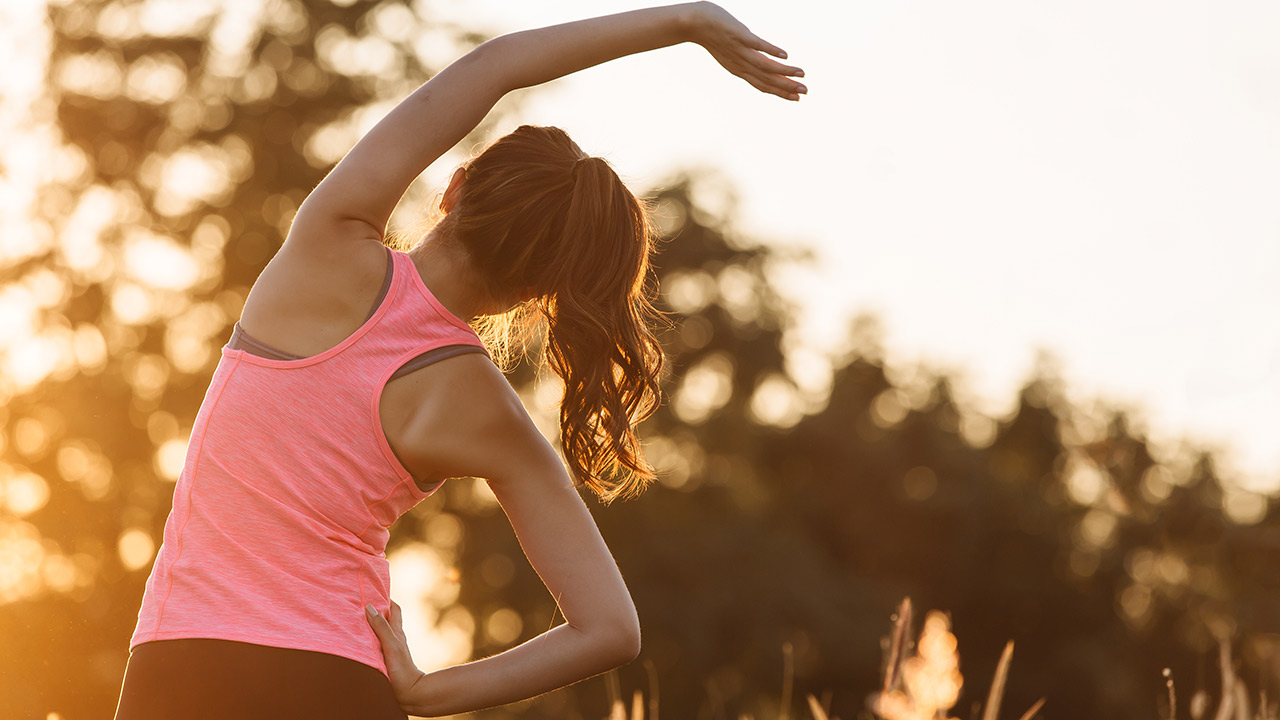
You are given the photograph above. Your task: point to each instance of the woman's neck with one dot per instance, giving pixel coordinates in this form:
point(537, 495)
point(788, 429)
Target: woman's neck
point(447, 270)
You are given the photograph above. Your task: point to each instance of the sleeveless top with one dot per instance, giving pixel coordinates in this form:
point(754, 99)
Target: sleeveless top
point(280, 516)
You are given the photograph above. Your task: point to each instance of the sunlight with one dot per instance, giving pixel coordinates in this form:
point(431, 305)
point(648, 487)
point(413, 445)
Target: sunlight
point(919, 483)
point(672, 466)
point(688, 292)
point(25, 493)
point(131, 304)
point(739, 294)
point(89, 348)
point(30, 437)
point(159, 262)
point(437, 640)
point(1244, 507)
point(17, 309)
point(977, 430)
point(156, 79)
point(97, 74)
point(503, 626)
point(775, 402)
point(188, 338)
point(152, 17)
point(136, 548)
point(29, 361)
point(339, 51)
point(888, 409)
point(79, 243)
point(170, 458)
point(1086, 484)
point(20, 556)
point(196, 174)
point(706, 388)
point(148, 374)
point(81, 464)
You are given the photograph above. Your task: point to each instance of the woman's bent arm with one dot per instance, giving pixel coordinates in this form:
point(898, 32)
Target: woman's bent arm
point(472, 423)
point(561, 656)
point(365, 187)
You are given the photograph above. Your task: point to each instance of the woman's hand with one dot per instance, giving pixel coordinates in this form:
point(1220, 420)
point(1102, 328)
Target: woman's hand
point(404, 675)
point(742, 52)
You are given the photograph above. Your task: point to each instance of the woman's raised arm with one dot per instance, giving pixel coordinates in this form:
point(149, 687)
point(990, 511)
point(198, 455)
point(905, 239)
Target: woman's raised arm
point(357, 197)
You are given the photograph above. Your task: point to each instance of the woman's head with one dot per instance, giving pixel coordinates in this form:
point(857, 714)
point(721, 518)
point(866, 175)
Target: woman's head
point(543, 222)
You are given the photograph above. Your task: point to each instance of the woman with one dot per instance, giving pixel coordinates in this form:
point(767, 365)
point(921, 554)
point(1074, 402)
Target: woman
point(353, 385)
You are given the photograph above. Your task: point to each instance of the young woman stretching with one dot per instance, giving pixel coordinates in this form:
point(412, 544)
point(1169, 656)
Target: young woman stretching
point(353, 385)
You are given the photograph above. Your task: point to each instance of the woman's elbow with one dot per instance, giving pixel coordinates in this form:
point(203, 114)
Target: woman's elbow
point(624, 643)
point(614, 644)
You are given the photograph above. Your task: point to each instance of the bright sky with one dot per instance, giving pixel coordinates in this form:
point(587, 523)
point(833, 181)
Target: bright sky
point(991, 177)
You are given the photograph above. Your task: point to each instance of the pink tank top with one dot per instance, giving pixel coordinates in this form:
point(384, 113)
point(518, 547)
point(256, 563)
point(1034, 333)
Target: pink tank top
point(280, 516)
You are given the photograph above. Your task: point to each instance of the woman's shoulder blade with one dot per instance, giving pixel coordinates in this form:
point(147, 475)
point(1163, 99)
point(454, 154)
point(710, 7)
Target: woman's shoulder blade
point(310, 297)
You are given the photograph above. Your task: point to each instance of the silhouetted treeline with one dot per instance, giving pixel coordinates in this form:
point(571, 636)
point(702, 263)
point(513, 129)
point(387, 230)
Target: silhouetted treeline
point(784, 515)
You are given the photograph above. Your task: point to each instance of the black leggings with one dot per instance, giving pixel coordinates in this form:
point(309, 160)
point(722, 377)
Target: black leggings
point(201, 679)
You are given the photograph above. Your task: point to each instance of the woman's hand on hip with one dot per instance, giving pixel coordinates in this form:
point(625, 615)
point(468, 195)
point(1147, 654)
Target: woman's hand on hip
point(744, 53)
point(404, 675)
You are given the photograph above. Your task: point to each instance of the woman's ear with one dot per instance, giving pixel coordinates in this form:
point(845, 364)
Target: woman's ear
point(451, 193)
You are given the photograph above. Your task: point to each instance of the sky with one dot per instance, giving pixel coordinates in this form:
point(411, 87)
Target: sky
point(1096, 179)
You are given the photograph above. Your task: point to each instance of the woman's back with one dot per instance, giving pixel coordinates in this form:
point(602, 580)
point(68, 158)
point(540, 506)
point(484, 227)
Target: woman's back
point(281, 514)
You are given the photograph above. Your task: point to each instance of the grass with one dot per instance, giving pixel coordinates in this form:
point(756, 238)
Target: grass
point(922, 681)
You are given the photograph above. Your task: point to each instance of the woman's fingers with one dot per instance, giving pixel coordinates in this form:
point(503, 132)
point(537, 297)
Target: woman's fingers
point(390, 637)
point(397, 618)
point(772, 66)
point(773, 84)
point(377, 622)
point(759, 43)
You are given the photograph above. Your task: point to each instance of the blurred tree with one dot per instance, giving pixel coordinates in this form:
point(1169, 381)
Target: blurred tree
point(186, 136)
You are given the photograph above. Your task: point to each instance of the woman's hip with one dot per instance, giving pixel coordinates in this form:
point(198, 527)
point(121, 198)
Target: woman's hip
point(196, 678)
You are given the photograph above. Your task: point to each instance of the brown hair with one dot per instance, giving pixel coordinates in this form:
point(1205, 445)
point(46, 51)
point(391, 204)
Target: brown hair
point(541, 220)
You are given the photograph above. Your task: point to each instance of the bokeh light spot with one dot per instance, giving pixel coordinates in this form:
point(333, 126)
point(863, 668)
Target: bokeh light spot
point(25, 493)
point(170, 458)
point(920, 483)
point(888, 409)
point(136, 548)
point(503, 626)
point(706, 388)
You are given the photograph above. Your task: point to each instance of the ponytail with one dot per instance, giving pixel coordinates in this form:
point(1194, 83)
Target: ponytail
point(538, 217)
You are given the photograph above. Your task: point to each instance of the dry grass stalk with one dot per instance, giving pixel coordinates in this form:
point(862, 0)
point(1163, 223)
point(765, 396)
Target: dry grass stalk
point(617, 711)
point(788, 675)
point(897, 645)
point(1227, 707)
point(1034, 709)
point(931, 679)
point(996, 694)
point(1242, 701)
point(1265, 710)
point(652, 672)
point(816, 709)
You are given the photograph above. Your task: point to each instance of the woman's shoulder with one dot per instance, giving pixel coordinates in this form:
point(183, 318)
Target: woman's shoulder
point(467, 419)
point(308, 299)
